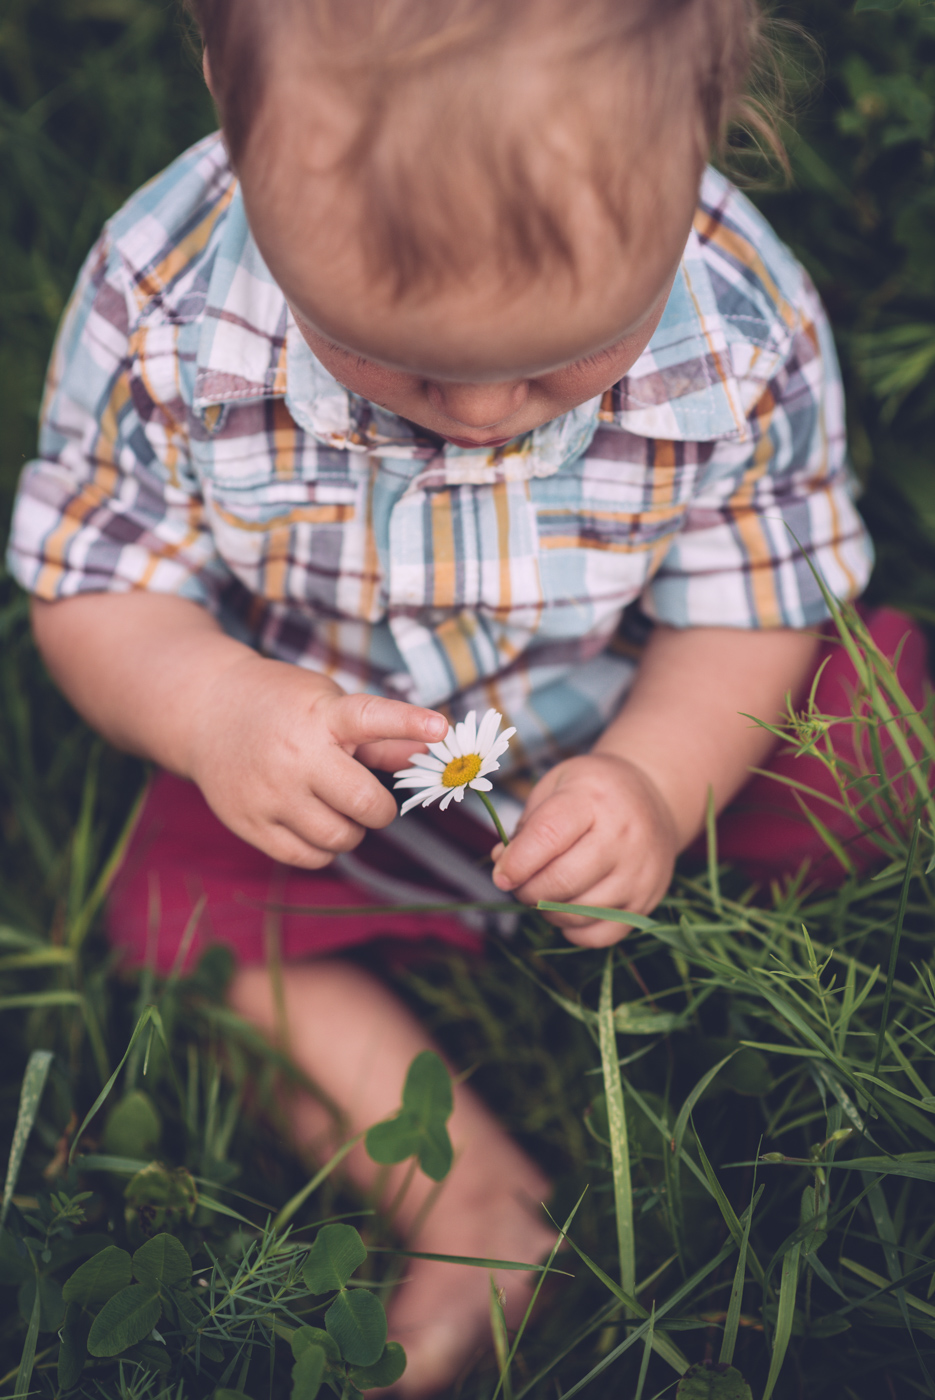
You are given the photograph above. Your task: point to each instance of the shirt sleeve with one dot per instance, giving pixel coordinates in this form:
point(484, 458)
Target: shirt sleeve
point(110, 504)
point(773, 511)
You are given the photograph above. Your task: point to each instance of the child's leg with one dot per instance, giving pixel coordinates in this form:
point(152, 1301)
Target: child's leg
point(764, 831)
point(355, 1040)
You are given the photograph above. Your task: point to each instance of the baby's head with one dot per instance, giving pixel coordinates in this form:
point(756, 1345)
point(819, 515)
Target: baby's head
point(475, 207)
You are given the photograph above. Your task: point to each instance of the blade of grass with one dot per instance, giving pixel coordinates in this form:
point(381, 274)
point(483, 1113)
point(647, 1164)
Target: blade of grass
point(685, 1112)
point(471, 1260)
point(894, 945)
point(825, 834)
point(617, 1124)
point(501, 1341)
point(662, 1344)
point(137, 1032)
point(82, 840)
point(490, 906)
point(886, 1232)
point(884, 1286)
point(784, 1316)
point(28, 1359)
point(300, 1197)
point(732, 1324)
point(42, 957)
point(637, 1334)
point(211, 1204)
point(711, 834)
point(847, 628)
point(84, 917)
point(37, 1072)
point(647, 1352)
point(706, 1177)
point(731, 1219)
point(25, 1001)
point(598, 911)
point(96, 1040)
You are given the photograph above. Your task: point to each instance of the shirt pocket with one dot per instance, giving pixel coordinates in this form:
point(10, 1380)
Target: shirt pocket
point(289, 518)
point(605, 524)
point(465, 547)
point(465, 598)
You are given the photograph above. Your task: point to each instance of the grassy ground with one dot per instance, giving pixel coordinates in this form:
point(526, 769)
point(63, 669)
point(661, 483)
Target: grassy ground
point(836, 1254)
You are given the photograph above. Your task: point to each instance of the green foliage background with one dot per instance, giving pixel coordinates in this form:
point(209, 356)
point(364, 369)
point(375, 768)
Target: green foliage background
point(98, 95)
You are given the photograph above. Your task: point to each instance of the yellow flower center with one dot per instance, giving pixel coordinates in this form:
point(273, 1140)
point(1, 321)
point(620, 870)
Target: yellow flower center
point(461, 770)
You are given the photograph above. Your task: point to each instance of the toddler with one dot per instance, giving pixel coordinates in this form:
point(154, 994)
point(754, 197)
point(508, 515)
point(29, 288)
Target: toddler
point(381, 406)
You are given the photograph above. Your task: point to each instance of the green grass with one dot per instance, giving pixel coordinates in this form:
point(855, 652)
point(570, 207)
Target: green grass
point(762, 1163)
point(737, 1105)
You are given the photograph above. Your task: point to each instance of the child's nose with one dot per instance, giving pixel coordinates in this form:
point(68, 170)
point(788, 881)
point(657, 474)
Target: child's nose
point(479, 405)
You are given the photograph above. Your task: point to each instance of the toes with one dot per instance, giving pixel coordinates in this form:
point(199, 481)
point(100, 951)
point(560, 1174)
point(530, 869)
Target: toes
point(434, 1358)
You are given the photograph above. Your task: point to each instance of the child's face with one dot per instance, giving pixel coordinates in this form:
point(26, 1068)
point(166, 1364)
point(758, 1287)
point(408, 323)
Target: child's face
point(482, 359)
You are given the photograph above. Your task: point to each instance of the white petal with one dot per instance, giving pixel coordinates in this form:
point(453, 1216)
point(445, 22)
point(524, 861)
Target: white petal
point(454, 742)
point(487, 731)
point(417, 780)
point(447, 798)
point(436, 792)
point(467, 733)
point(458, 792)
point(490, 765)
point(427, 760)
point(498, 749)
point(441, 750)
point(427, 773)
point(481, 785)
point(418, 800)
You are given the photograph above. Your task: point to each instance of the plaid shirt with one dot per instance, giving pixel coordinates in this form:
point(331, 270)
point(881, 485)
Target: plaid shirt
point(192, 444)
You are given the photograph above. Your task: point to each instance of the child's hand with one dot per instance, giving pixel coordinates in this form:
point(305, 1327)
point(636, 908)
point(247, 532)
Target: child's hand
point(596, 830)
point(278, 757)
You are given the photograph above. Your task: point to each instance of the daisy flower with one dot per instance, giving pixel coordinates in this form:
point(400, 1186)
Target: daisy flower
point(460, 760)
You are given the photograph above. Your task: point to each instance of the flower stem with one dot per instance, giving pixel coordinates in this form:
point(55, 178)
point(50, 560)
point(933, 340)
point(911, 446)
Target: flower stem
point(493, 812)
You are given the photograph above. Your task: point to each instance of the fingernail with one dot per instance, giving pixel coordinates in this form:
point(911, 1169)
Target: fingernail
point(502, 882)
point(437, 726)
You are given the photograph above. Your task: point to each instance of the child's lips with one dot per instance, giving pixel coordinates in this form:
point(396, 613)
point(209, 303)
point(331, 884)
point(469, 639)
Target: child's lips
point(469, 442)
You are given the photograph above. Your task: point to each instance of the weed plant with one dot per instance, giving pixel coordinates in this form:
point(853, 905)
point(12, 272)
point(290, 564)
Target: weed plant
point(736, 1103)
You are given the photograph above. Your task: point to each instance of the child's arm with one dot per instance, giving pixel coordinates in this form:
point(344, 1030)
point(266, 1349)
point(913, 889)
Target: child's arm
point(605, 828)
point(271, 746)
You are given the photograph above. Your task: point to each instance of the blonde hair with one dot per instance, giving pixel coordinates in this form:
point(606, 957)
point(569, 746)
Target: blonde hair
point(432, 122)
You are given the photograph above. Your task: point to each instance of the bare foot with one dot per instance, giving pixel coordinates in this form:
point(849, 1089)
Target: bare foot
point(356, 1041)
point(441, 1312)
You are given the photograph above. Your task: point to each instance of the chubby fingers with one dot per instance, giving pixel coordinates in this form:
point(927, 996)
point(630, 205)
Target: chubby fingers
point(294, 827)
point(358, 725)
point(547, 832)
point(597, 933)
point(388, 754)
point(367, 719)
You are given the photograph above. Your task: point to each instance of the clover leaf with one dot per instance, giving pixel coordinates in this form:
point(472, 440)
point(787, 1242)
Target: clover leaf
point(386, 1371)
point(419, 1128)
point(708, 1381)
point(99, 1278)
point(127, 1317)
point(338, 1250)
point(307, 1373)
point(305, 1337)
point(357, 1322)
point(162, 1263)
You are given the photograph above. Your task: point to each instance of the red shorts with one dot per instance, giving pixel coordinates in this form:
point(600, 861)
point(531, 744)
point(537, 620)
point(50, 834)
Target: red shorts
point(180, 852)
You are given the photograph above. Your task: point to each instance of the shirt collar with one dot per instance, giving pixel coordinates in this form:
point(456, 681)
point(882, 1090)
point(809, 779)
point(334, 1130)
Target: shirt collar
point(683, 388)
point(249, 347)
